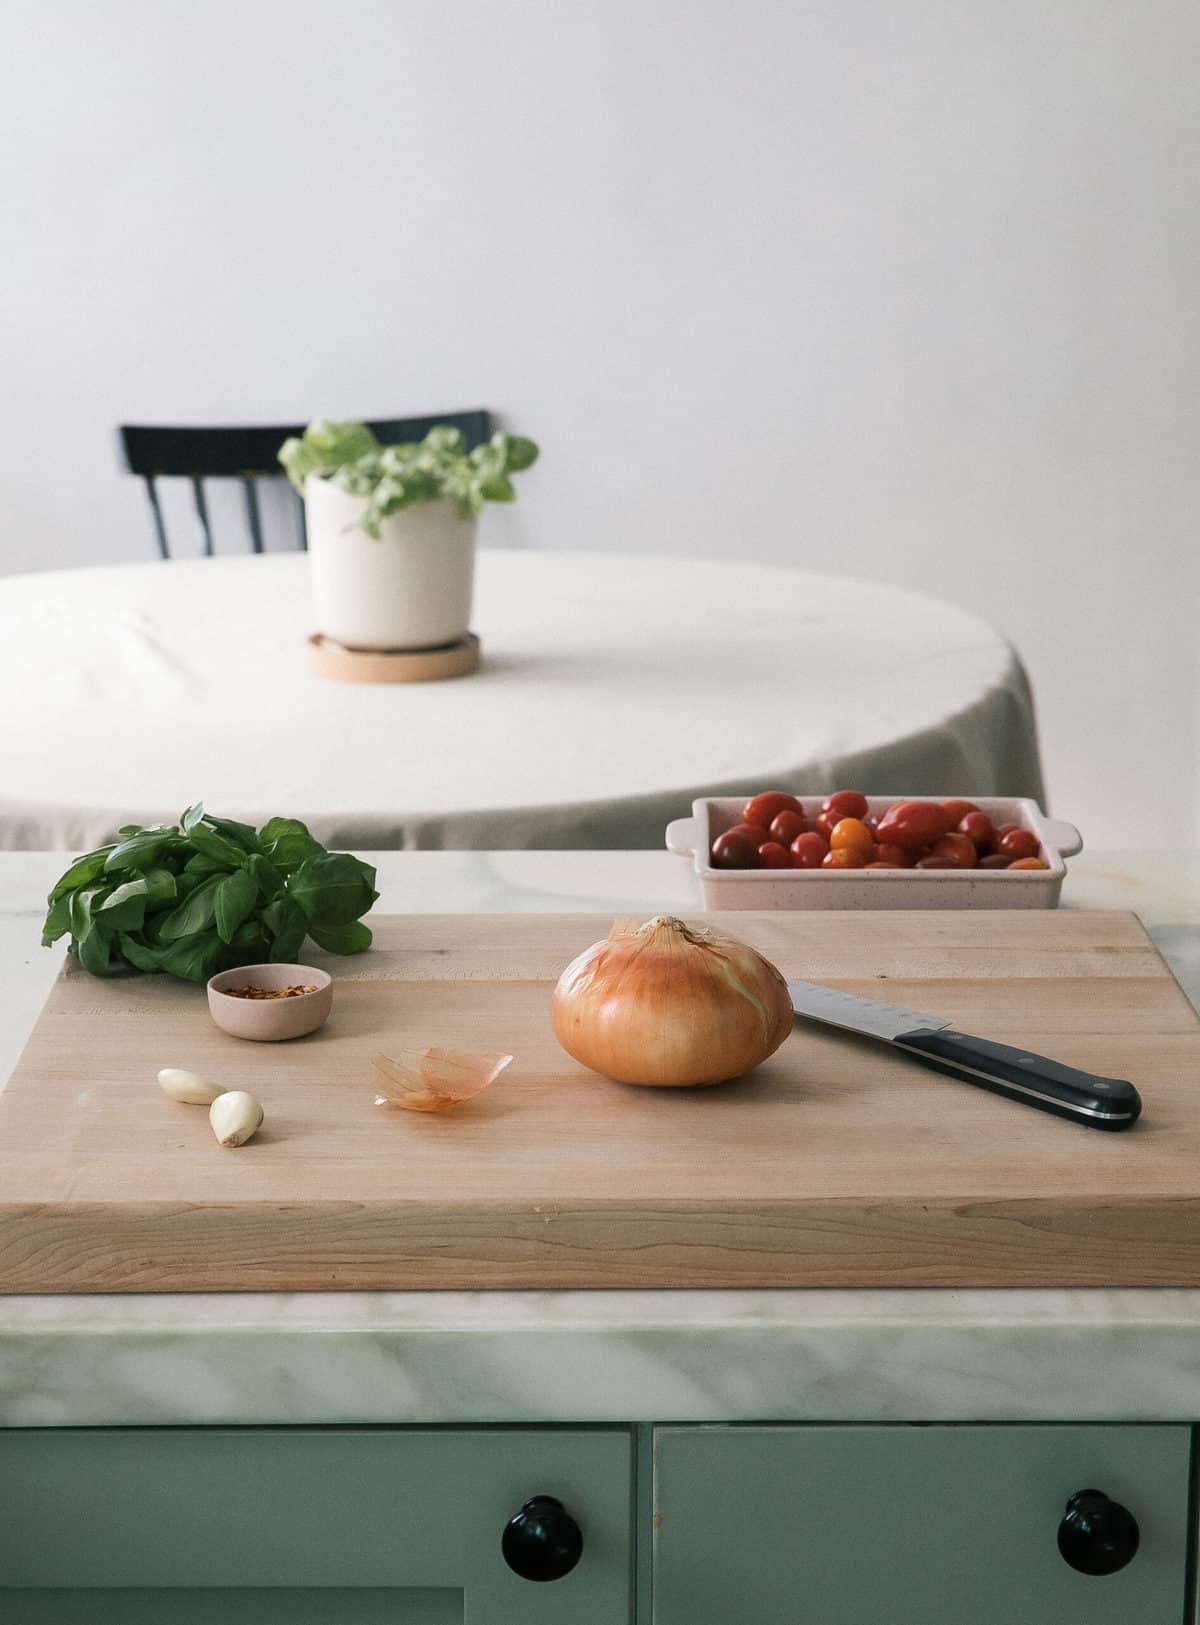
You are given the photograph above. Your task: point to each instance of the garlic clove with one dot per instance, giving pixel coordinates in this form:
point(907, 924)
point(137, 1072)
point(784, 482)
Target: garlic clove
point(436, 1080)
point(189, 1087)
point(235, 1117)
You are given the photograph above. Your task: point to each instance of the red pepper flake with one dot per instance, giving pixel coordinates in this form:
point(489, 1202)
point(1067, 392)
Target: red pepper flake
point(251, 992)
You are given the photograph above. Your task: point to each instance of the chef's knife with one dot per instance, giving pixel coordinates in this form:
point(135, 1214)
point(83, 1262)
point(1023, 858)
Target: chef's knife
point(1109, 1103)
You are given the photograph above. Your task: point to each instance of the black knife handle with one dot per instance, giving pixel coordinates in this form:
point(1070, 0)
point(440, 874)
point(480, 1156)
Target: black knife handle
point(1109, 1103)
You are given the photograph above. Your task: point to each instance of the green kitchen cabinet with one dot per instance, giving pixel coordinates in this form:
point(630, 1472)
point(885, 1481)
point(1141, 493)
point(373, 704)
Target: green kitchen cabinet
point(914, 1525)
point(308, 1526)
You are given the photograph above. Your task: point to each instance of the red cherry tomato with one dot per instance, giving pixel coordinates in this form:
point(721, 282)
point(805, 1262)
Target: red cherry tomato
point(735, 850)
point(785, 827)
point(1019, 843)
point(958, 810)
point(914, 823)
point(808, 850)
point(845, 857)
point(846, 803)
point(853, 834)
point(960, 849)
point(1003, 829)
point(977, 827)
point(1029, 863)
point(763, 808)
point(994, 860)
point(937, 860)
point(773, 856)
point(827, 822)
point(895, 857)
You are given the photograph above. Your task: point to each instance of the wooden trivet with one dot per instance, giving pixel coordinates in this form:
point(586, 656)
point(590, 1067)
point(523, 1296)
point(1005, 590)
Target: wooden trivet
point(328, 658)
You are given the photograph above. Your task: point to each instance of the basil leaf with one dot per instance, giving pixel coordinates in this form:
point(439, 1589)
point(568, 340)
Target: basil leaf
point(139, 851)
point(267, 877)
point(286, 922)
point(201, 865)
point(291, 850)
point(82, 871)
point(124, 909)
point(138, 954)
point(213, 845)
point(93, 950)
point(195, 959)
point(161, 887)
point(57, 922)
point(234, 897)
point(332, 890)
point(275, 827)
point(243, 835)
point(195, 913)
point(192, 817)
point(82, 904)
point(354, 938)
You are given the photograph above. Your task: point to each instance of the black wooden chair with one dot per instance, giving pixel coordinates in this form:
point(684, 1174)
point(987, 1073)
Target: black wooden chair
point(249, 455)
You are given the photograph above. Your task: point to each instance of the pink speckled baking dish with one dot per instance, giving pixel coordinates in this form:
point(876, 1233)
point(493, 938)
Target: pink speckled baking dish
point(879, 888)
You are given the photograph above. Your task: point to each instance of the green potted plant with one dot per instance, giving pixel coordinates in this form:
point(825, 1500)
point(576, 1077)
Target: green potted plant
point(392, 529)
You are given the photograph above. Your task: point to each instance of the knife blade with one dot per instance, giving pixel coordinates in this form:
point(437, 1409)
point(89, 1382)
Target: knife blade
point(1034, 1080)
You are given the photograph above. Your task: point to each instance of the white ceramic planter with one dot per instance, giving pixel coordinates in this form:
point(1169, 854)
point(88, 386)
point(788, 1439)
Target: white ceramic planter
point(411, 589)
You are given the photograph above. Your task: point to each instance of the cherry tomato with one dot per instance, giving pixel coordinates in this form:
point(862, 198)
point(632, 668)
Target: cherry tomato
point(914, 823)
point(763, 808)
point(958, 810)
point(845, 857)
point(773, 856)
point(846, 803)
point(808, 850)
point(994, 860)
point(735, 850)
point(827, 822)
point(977, 827)
point(1003, 829)
point(852, 833)
point(755, 832)
point(960, 849)
point(937, 860)
point(785, 827)
point(895, 857)
point(1028, 863)
point(1019, 843)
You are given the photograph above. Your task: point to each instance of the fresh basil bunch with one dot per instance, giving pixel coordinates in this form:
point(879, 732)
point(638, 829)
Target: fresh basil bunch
point(207, 894)
point(395, 477)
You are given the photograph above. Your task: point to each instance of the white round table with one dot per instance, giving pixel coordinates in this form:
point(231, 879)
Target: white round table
point(613, 690)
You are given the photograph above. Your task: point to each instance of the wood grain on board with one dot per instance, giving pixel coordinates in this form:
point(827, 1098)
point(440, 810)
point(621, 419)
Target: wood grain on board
point(837, 1163)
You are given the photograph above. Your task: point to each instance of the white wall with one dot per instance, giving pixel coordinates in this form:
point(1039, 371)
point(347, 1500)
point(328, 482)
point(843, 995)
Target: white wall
point(899, 288)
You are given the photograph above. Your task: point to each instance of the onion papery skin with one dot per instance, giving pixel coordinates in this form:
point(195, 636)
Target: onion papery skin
point(671, 1007)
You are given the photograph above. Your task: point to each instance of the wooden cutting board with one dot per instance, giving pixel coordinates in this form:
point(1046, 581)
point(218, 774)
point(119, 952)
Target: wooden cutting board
point(838, 1163)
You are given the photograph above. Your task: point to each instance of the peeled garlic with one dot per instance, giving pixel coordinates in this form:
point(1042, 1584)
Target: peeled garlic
point(189, 1087)
point(235, 1117)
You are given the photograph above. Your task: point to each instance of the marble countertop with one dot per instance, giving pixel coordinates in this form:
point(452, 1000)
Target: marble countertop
point(597, 1356)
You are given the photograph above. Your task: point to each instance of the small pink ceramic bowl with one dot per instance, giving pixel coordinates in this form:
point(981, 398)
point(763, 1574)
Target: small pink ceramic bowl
point(271, 1019)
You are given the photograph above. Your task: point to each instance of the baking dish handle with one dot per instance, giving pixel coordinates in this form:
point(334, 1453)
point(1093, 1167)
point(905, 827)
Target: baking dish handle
point(681, 837)
point(1064, 837)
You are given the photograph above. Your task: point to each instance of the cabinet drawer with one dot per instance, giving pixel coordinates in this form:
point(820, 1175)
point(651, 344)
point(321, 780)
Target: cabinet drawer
point(912, 1525)
point(255, 1525)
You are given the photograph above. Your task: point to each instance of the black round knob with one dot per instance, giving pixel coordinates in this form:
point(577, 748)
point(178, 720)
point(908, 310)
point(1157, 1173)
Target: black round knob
point(1097, 1536)
point(543, 1541)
